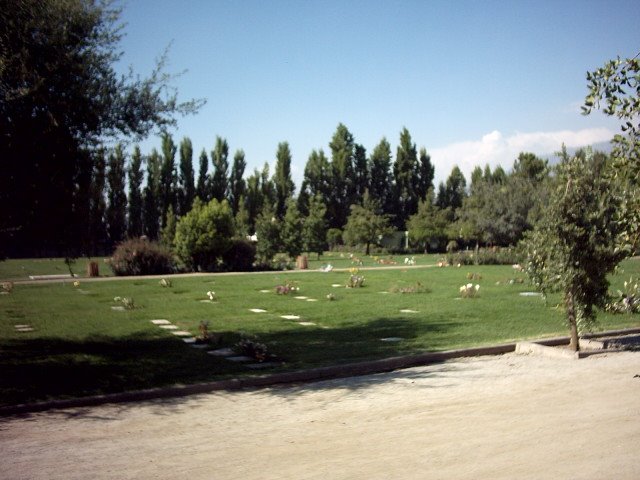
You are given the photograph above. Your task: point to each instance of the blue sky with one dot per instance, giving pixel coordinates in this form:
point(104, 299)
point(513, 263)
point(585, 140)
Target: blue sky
point(474, 82)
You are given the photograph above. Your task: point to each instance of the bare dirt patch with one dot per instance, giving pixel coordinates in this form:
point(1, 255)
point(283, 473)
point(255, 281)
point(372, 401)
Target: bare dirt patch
point(497, 417)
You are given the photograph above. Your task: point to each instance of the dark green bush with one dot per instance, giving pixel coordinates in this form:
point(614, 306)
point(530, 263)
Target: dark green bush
point(241, 256)
point(485, 256)
point(141, 257)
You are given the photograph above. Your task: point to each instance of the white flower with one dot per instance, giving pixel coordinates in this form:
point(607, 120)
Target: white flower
point(463, 288)
point(469, 286)
point(211, 295)
point(477, 287)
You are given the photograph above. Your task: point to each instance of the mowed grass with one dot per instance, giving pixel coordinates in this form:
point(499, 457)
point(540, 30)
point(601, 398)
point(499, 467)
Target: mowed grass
point(80, 346)
point(14, 269)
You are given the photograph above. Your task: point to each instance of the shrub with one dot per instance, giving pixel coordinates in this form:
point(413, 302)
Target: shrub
point(141, 257)
point(485, 256)
point(204, 235)
point(241, 256)
point(334, 238)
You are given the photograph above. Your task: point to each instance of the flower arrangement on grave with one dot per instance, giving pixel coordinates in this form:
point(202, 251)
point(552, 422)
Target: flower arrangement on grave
point(165, 283)
point(626, 300)
point(474, 276)
point(127, 302)
point(6, 287)
point(250, 347)
point(205, 336)
point(287, 288)
point(212, 296)
point(331, 297)
point(355, 280)
point(76, 284)
point(470, 291)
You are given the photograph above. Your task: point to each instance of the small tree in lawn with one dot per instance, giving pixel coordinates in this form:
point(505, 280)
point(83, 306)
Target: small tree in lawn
point(314, 230)
point(292, 229)
point(573, 247)
point(365, 224)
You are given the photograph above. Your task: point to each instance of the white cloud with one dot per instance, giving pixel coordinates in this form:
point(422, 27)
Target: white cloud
point(496, 149)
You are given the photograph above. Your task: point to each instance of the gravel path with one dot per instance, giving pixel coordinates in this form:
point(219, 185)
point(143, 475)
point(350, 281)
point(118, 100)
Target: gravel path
point(499, 417)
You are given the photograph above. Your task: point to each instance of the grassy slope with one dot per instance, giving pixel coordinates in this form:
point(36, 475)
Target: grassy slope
point(81, 346)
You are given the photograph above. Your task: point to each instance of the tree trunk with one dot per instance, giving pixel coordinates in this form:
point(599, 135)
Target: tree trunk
point(574, 342)
point(367, 252)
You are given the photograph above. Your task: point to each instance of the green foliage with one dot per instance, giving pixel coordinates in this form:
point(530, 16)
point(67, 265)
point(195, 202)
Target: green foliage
point(342, 192)
point(428, 227)
point(141, 257)
point(116, 212)
point(405, 179)
point(204, 235)
point(241, 220)
point(485, 256)
point(241, 256)
point(167, 196)
point(314, 231)
point(291, 235)
point(573, 247)
point(617, 84)
point(58, 80)
point(219, 180)
point(284, 186)
point(334, 238)
point(381, 178)
point(202, 187)
point(168, 233)
point(268, 229)
point(365, 225)
point(501, 208)
point(151, 212)
point(237, 185)
point(452, 194)
point(134, 226)
point(186, 189)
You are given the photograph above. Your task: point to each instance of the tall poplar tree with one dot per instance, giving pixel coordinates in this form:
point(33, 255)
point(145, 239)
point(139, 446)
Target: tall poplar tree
point(342, 149)
point(314, 229)
point(282, 181)
point(381, 179)
point(134, 224)
point(202, 187)
point(425, 174)
point(361, 178)
point(167, 183)
point(255, 199)
point(405, 176)
point(316, 180)
point(117, 204)
point(186, 189)
point(237, 185)
point(220, 160)
point(267, 188)
point(97, 230)
point(151, 212)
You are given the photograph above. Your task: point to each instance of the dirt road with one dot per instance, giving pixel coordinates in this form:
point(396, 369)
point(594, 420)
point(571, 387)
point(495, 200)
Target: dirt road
point(489, 417)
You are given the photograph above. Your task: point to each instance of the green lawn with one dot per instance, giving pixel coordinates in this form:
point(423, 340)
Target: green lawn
point(81, 346)
point(21, 268)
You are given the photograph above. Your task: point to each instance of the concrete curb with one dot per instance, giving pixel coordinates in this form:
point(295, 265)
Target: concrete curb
point(300, 376)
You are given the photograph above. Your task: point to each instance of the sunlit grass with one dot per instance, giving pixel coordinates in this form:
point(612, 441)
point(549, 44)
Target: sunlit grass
point(81, 346)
